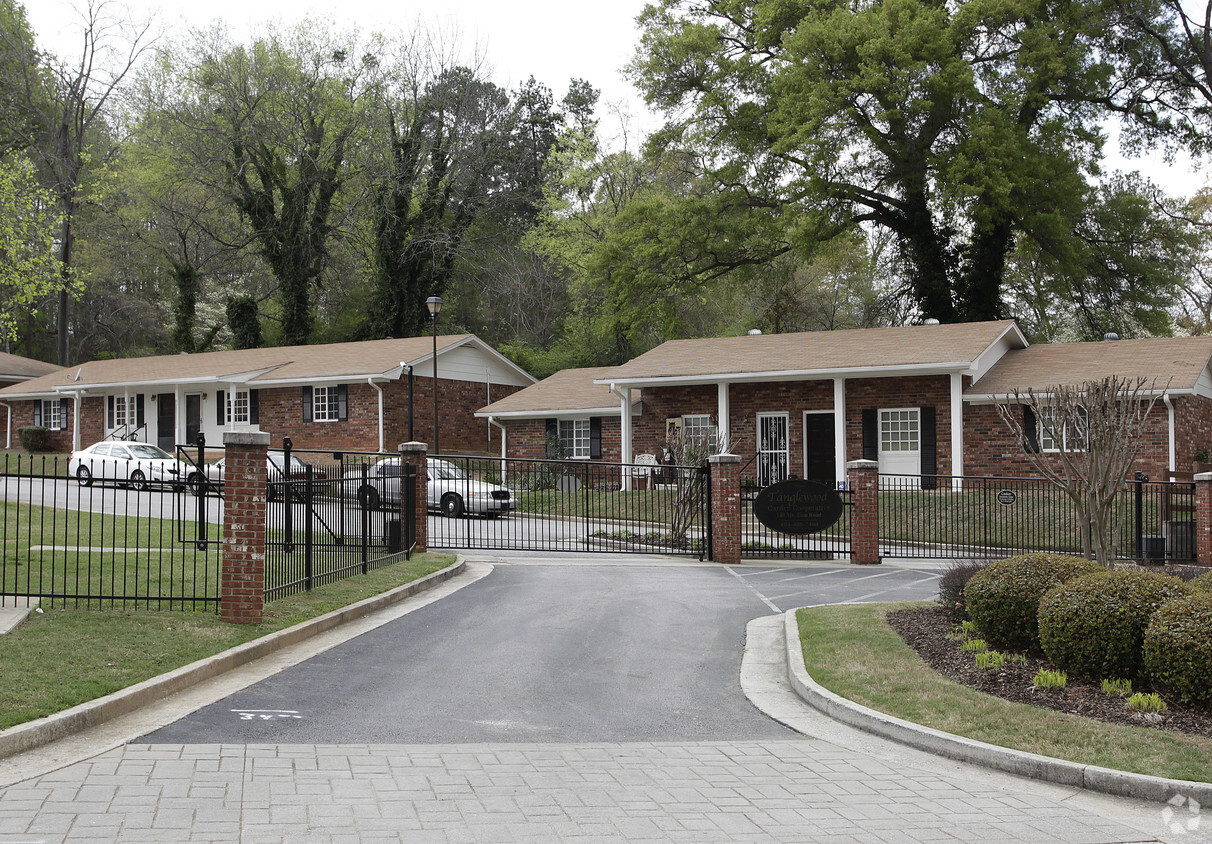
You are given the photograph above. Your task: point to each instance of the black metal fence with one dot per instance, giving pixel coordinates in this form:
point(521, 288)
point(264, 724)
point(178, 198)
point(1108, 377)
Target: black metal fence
point(761, 542)
point(982, 517)
point(115, 536)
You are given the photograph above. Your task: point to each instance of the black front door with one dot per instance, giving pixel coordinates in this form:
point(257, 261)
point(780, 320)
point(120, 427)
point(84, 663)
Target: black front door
point(166, 421)
point(193, 418)
point(819, 449)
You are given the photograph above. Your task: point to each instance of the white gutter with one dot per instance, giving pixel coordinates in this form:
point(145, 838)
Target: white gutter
point(504, 432)
point(1170, 430)
point(9, 438)
point(791, 374)
point(624, 435)
point(379, 390)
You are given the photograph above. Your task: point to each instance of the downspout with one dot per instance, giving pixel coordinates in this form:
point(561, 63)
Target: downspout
point(1170, 430)
point(379, 390)
point(492, 422)
point(9, 439)
point(624, 435)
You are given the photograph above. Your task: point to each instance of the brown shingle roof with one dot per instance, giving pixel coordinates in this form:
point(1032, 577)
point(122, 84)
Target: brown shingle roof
point(15, 366)
point(817, 351)
point(567, 391)
point(335, 360)
point(1173, 362)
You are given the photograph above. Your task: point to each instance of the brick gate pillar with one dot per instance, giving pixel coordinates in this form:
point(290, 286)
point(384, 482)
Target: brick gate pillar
point(725, 480)
point(1203, 518)
point(415, 454)
point(864, 478)
point(242, 580)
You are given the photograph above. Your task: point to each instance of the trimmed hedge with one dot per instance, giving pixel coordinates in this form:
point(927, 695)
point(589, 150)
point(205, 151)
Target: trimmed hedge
point(1003, 598)
point(1202, 583)
point(34, 438)
point(1178, 649)
point(1095, 625)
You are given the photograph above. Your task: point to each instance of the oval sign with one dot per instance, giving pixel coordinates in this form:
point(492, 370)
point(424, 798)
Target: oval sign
point(1006, 496)
point(798, 506)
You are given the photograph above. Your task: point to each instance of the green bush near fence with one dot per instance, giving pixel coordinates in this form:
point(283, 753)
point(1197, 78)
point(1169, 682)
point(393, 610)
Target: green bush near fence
point(34, 438)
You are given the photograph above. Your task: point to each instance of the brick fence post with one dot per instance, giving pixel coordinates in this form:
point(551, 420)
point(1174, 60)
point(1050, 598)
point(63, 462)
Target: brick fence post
point(1203, 518)
point(242, 581)
point(725, 479)
point(415, 454)
point(864, 477)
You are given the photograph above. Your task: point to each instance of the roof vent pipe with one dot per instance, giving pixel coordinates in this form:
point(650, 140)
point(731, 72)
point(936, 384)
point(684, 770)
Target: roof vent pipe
point(931, 321)
point(1110, 335)
point(754, 332)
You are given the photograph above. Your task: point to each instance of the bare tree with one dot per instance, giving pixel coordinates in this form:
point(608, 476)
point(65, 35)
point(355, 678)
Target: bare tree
point(688, 453)
point(1084, 439)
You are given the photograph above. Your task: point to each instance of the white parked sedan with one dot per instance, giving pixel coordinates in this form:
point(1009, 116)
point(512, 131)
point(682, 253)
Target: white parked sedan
point(275, 475)
point(115, 461)
point(451, 491)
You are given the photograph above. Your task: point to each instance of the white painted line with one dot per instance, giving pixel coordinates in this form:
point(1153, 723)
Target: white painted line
point(752, 588)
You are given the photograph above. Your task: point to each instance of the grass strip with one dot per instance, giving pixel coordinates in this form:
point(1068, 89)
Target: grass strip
point(64, 657)
point(852, 651)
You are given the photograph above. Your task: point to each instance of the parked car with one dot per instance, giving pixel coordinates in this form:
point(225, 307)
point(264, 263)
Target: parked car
point(137, 464)
point(451, 491)
point(275, 477)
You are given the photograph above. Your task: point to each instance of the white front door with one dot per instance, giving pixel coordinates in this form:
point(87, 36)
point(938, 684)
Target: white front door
point(772, 440)
point(900, 444)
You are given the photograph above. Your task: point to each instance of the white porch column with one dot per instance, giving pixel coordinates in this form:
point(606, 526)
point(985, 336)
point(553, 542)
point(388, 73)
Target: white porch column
point(723, 428)
point(957, 431)
point(77, 407)
point(839, 429)
point(178, 414)
point(624, 433)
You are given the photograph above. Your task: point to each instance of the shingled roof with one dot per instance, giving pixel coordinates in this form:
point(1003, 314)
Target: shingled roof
point(17, 368)
point(869, 351)
point(257, 367)
point(568, 391)
point(1176, 364)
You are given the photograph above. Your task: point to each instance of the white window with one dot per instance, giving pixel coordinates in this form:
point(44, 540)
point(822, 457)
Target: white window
point(899, 430)
point(237, 407)
point(574, 437)
point(699, 429)
point(122, 414)
point(326, 406)
point(50, 414)
point(1069, 436)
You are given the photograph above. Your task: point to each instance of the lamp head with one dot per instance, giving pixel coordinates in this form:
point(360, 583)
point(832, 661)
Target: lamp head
point(434, 303)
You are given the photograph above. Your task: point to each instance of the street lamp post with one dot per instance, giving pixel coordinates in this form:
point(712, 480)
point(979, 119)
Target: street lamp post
point(434, 303)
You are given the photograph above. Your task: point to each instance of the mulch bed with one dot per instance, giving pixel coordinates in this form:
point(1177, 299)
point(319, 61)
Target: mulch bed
point(925, 630)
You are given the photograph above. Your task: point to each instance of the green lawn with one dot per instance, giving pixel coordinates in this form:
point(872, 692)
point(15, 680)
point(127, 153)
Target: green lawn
point(852, 651)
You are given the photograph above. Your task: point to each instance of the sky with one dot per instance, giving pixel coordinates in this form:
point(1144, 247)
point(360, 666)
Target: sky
point(554, 40)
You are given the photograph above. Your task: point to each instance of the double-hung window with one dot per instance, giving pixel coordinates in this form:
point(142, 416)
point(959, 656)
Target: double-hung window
point(51, 417)
point(122, 415)
point(1063, 435)
point(326, 405)
point(700, 429)
point(238, 407)
point(574, 437)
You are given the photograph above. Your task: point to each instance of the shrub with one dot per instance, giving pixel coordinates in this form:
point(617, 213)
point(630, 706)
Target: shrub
point(1178, 649)
point(34, 438)
point(1047, 680)
point(1203, 582)
point(1095, 625)
point(951, 588)
point(1003, 598)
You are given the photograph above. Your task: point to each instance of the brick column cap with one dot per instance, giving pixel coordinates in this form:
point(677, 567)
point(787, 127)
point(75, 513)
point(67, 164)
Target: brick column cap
point(862, 464)
point(412, 448)
point(1204, 476)
point(721, 459)
point(246, 438)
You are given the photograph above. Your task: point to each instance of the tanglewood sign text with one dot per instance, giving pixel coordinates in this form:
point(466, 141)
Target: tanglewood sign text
point(798, 506)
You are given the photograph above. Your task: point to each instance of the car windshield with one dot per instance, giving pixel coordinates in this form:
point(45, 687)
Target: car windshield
point(144, 451)
point(296, 465)
point(446, 471)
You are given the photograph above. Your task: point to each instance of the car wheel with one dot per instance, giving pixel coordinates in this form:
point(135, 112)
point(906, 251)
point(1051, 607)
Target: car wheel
point(197, 484)
point(84, 476)
point(138, 481)
point(368, 497)
point(452, 506)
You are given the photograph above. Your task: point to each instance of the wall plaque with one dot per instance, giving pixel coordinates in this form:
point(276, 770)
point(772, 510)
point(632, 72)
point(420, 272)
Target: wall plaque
point(798, 506)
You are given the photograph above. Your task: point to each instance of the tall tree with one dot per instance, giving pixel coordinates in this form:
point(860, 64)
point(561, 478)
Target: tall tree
point(956, 127)
point(28, 265)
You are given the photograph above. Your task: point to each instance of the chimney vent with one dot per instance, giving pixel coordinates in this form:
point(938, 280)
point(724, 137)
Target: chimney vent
point(1110, 335)
point(753, 332)
point(930, 321)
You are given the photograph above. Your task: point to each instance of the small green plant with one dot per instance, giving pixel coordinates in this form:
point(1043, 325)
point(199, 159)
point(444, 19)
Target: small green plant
point(1146, 704)
point(957, 634)
point(1016, 659)
point(990, 660)
point(1048, 680)
point(974, 646)
point(969, 627)
point(1119, 688)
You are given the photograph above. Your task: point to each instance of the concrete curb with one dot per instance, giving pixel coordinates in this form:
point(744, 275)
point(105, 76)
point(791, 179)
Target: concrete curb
point(1060, 771)
point(79, 718)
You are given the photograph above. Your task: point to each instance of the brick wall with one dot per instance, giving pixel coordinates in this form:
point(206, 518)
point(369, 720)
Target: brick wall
point(528, 439)
point(92, 422)
point(890, 393)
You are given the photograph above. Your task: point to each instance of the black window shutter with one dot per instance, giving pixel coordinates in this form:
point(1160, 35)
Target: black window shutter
point(38, 412)
point(254, 407)
point(110, 414)
point(1030, 429)
point(871, 434)
point(220, 407)
point(342, 402)
point(139, 409)
point(553, 438)
point(307, 404)
point(62, 414)
point(928, 445)
point(595, 437)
